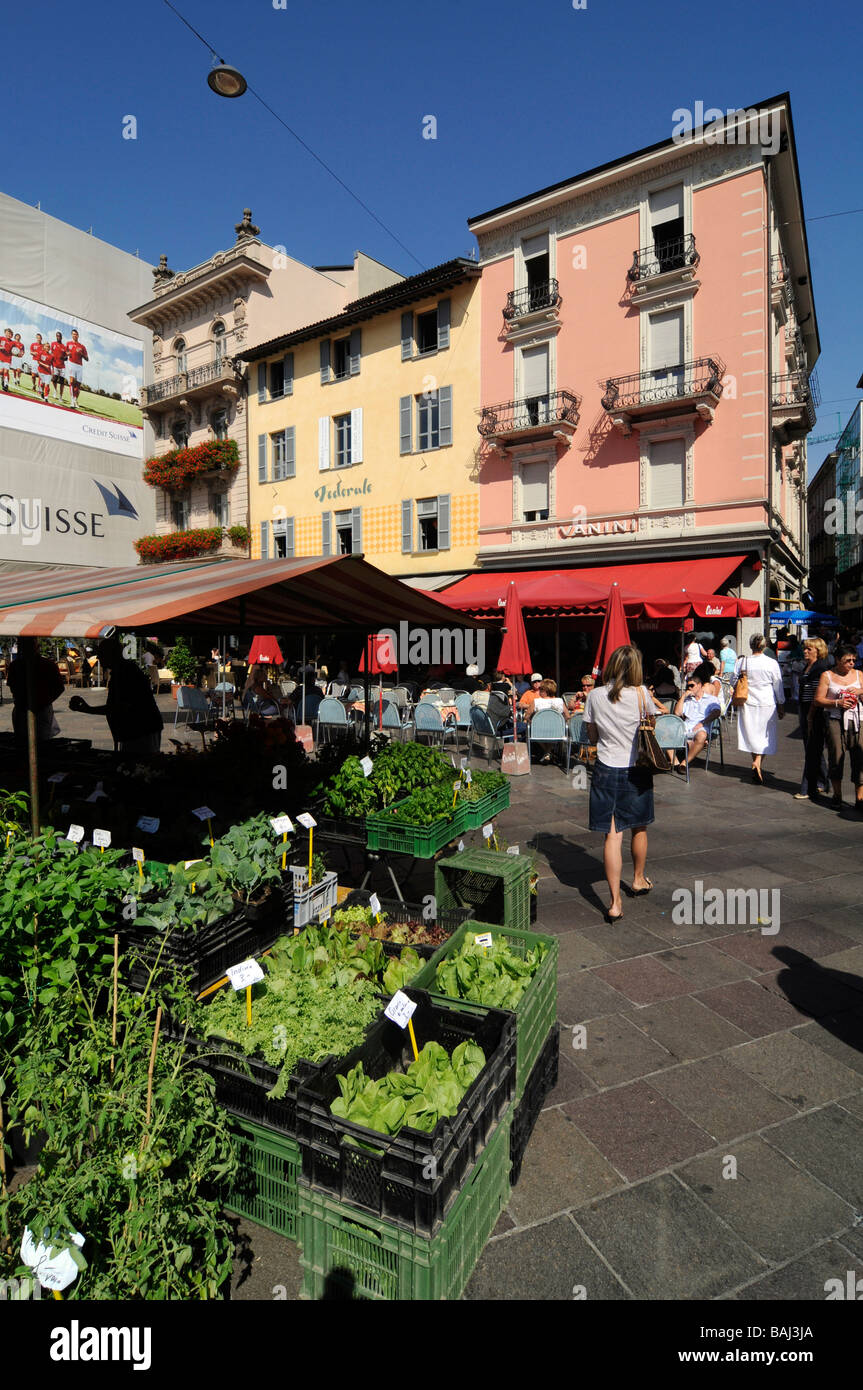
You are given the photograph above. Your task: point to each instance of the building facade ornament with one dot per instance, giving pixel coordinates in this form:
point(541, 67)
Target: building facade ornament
point(246, 230)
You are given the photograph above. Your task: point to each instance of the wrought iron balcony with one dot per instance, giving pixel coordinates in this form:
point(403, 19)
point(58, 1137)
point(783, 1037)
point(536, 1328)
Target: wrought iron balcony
point(532, 299)
point(195, 381)
point(677, 254)
point(555, 413)
point(794, 398)
point(779, 273)
point(694, 385)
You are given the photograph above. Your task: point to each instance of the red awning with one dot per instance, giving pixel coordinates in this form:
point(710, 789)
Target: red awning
point(584, 592)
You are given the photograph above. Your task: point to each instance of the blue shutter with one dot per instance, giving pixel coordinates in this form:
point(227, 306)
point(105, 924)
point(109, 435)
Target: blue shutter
point(355, 350)
point(445, 401)
point(407, 336)
point(405, 436)
point(262, 458)
point(443, 320)
point(262, 382)
point(356, 530)
point(289, 537)
point(288, 368)
point(265, 540)
point(443, 525)
point(325, 361)
point(327, 533)
point(291, 451)
point(407, 527)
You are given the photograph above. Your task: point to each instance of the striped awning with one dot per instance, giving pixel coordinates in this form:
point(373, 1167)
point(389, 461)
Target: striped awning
point(312, 593)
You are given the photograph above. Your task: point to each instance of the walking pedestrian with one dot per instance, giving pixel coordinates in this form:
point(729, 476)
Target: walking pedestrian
point(130, 709)
point(48, 686)
point(756, 719)
point(621, 794)
point(811, 717)
point(839, 694)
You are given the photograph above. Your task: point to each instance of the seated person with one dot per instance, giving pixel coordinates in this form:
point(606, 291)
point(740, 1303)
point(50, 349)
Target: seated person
point(481, 695)
point(576, 705)
point(306, 712)
point(547, 698)
point(525, 704)
point(501, 685)
point(665, 681)
point(258, 693)
point(470, 680)
point(709, 678)
point(697, 707)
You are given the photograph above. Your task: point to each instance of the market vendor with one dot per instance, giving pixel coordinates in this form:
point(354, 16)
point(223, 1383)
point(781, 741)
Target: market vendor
point(130, 708)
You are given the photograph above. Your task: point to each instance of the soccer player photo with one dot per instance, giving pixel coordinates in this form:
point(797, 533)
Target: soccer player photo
point(58, 362)
point(77, 355)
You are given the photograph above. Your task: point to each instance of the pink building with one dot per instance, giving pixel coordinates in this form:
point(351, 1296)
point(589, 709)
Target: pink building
point(648, 332)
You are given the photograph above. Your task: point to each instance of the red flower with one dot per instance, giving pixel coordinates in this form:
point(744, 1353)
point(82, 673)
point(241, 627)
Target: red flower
point(177, 469)
point(179, 545)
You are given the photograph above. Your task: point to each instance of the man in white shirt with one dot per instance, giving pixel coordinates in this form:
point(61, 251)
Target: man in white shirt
point(697, 708)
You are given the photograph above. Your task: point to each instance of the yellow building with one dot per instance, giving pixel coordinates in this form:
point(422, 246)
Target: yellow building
point(363, 429)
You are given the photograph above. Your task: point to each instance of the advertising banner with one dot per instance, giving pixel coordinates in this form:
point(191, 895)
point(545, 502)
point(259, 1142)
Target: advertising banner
point(65, 378)
point(70, 516)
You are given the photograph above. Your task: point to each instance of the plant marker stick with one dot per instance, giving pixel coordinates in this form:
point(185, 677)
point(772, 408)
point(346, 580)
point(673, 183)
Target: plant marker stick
point(2, 1154)
point(248, 1006)
point(114, 1015)
point(210, 829)
point(57, 1294)
point(413, 1038)
point(150, 1070)
point(285, 851)
point(311, 833)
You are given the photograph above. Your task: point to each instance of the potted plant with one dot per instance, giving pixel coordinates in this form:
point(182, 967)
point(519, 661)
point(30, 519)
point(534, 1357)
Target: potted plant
point(183, 665)
point(248, 861)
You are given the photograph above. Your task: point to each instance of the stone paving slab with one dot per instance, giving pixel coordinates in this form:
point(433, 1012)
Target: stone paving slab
point(565, 1170)
point(643, 980)
point(719, 1098)
point(750, 1007)
point(583, 995)
point(705, 965)
point(617, 1051)
point(552, 1261)
point(802, 1075)
point(804, 1279)
point(637, 1129)
point(828, 1144)
point(685, 1028)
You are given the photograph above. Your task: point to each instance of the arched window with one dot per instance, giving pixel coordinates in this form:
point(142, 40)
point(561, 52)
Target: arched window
point(180, 350)
point(218, 343)
point(180, 434)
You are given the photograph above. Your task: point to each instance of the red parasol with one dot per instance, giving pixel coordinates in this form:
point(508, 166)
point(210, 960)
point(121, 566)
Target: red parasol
point(614, 633)
point(382, 659)
point(265, 652)
point(514, 659)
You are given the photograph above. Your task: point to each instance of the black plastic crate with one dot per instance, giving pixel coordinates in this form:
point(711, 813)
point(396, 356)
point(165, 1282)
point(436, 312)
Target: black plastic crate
point(410, 1178)
point(349, 830)
point(540, 1084)
point(204, 954)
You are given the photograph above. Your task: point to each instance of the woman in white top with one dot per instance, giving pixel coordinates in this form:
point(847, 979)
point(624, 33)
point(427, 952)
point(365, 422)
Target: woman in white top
point(839, 695)
point(621, 794)
point(694, 654)
point(756, 719)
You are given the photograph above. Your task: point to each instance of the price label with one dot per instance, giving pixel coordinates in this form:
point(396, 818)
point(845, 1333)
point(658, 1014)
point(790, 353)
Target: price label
point(248, 972)
point(149, 824)
point(75, 833)
point(204, 813)
point(57, 777)
point(137, 855)
point(461, 846)
point(187, 863)
point(463, 762)
point(101, 838)
point(307, 821)
point(468, 776)
point(366, 764)
point(53, 1272)
point(375, 903)
point(488, 831)
point(281, 824)
point(483, 939)
point(513, 849)
point(64, 810)
point(400, 1008)
point(98, 793)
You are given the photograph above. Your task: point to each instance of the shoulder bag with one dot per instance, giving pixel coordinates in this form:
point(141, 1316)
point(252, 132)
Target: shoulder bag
point(649, 754)
point(741, 689)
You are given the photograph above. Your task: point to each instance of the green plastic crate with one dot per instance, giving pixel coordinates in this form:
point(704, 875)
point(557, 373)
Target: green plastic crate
point(265, 1187)
point(346, 1251)
point(535, 1012)
point(422, 841)
point(493, 887)
point(485, 808)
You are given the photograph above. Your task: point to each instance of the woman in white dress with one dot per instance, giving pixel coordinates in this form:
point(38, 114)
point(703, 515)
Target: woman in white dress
point(756, 720)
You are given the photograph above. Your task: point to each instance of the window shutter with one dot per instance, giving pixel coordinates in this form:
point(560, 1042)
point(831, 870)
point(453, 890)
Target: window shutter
point(324, 442)
point(325, 361)
point(407, 527)
point(534, 487)
point(666, 339)
point(443, 320)
point(262, 458)
point(327, 533)
point(265, 540)
point(288, 367)
point(357, 435)
point(356, 530)
point(534, 369)
point(355, 350)
point(667, 468)
point(407, 336)
point(445, 403)
point(443, 523)
point(666, 204)
point(262, 382)
point(289, 536)
point(405, 435)
point(291, 452)
point(534, 246)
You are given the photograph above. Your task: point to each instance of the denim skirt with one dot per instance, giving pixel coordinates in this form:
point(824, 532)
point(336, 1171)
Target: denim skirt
point(626, 793)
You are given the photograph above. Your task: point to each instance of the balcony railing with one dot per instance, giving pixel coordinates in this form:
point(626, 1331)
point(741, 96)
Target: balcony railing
point(531, 413)
point(795, 392)
point(779, 273)
point(532, 299)
point(193, 380)
point(677, 254)
point(666, 384)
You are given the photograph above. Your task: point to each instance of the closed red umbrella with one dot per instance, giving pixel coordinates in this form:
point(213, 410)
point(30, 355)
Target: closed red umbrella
point(265, 652)
point(381, 654)
point(614, 633)
point(514, 659)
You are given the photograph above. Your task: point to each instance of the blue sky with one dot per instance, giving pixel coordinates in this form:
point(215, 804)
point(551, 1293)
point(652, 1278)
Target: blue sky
point(524, 94)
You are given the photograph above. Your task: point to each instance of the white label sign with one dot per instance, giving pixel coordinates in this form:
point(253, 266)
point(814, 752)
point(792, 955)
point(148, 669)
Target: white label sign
point(57, 777)
point(204, 813)
point(488, 831)
point(400, 1008)
point(375, 903)
point(468, 776)
point(56, 1272)
point(281, 824)
point(187, 863)
point(137, 855)
point(483, 939)
point(248, 972)
point(513, 849)
point(149, 824)
point(75, 833)
point(98, 793)
point(307, 821)
point(463, 762)
point(366, 764)
point(461, 846)
point(101, 838)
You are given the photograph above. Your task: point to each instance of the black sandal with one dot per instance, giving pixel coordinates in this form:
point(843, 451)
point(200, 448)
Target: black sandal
point(613, 916)
point(642, 892)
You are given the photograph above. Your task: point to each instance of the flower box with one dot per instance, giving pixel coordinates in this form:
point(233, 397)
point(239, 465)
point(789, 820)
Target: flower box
point(177, 469)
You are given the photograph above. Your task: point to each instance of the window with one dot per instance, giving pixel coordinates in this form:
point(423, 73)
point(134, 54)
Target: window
point(181, 513)
point(341, 532)
point(219, 508)
point(432, 524)
point(534, 492)
point(182, 360)
point(667, 478)
point(666, 351)
point(341, 358)
point(219, 422)
point(428, 422)
point(666, 226)
point(344, 533)
point(276, 379)
point(433, 421)
point(218, 343)
point(343, 441)
point(281, 448)
point(426, 332)
point(537, 264)
point(534, 375)
point(348, 440)
point(180, 434)
point(283, 539)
